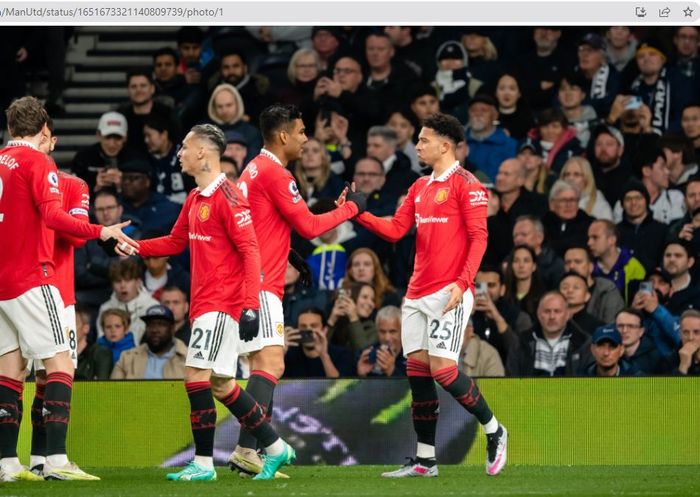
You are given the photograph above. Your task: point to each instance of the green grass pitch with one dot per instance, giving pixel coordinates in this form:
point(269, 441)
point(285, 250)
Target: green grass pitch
point(588, 481)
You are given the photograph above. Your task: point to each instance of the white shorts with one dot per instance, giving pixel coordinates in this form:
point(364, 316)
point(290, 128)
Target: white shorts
point(214, 344)
point(423, 327)
point(34, 322)
point(271, 325)
point(69, 313)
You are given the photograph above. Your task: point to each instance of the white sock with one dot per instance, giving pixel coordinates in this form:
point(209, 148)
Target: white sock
point(11, 464)
point(57, 460)
point(205, 461)
point(276, 448)
point(36, 461)
point(491, 426)
point(425, 451)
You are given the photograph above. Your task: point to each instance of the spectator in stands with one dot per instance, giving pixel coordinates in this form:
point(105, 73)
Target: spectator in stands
point(152, 209)
point(385, 357)
point(482, 54)
point(404, 124)
point(478, 358)
point(117, 337)
point(331, 130)
point(415, 50)
point(689, 353)
point(162, 357)
point(365, 267)
point(128, 295)
point(158, 132)
point(608, 352)
point(612, 261)
point(514, 113)
point(98, 164)
point(574, 288)
point(424, 102)
point(171, 87)
point(496, 320)
point(351, 322)
point(554, 347)
point(556, 138)
point(195, 59)
point(453, 80)
point(690, 124)
point(680, 159)
point(140, 87)
point(308, 353)
point(94, 361)
point(565, 224)
point(528, 230)
point(686, 59)
point(602, 79)
point(542, 68)
point(229, 167)
point(620, 47)
point(684, 228)
point(236, 149)
point(538, 178)
point(488, 144)
point(571, 96)
point(638, 231)
point(678, 259)
point(605, 301)
point(255, 89)
point(640, 351)
point(303, 72)
point(313, 173)
point(610, 169)
point(175, 299)
point(226, 110)
point(326, 41)
point(161, 272)
point(298, 296)
point(523, 283)
point(381, 144)
point(578, 172)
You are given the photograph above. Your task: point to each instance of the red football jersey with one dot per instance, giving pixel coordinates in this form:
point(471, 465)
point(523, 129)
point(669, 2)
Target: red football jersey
point(30, 204)
point(76, 202)
point(277, 208)
point(451, 235)
point(224, 256)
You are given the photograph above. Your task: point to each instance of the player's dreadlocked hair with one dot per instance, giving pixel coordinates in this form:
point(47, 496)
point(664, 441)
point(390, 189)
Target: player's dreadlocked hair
point(276, 117)
point(445, 125)
point(213, 134)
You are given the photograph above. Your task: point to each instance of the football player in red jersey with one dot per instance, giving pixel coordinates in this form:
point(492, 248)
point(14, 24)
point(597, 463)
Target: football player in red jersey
point(448, 209)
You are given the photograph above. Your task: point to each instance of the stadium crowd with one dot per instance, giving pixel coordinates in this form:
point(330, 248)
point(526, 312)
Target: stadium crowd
point(587, 139)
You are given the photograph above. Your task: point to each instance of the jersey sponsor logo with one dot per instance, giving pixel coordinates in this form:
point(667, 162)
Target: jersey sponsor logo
point(430, 220)
point(441, 195)
point(243, 218)
point(204, 212)
point(78, 211)
point(478, 198)
point(279, 327)
point(294, 190)
point(200, 238)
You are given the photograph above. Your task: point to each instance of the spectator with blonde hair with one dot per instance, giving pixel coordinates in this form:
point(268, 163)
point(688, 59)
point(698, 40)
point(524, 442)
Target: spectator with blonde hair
point(313, 173)
point(364, 267)
point(303, 72)
point(579, 173)
point(227, 111)
point(117, 337)
point(351, 322)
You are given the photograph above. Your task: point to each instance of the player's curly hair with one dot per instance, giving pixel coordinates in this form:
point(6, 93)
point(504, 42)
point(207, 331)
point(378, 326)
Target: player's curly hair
point(446, 126)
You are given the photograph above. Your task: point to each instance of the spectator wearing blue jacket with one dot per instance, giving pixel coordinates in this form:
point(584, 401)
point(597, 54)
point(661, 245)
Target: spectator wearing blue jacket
point(117, 337)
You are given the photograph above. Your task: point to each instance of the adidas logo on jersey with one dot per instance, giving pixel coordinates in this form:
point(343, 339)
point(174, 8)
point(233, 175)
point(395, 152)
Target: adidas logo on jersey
point(441, 345)
point(198, 355)
point(5, 414)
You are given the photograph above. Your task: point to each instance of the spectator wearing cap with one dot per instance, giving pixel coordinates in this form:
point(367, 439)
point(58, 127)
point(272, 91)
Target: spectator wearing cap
point(482, 55)
point(236, 149)
point(678, 259)
point(529, 230)
point(255, 89)
point(659, 324)
point(538, 178)
point(640, 350)
point(690, 124)
point(689, 352)
point(553, 347)
point(542, 68)
point(602, 79)
point(98, 164)
point(226, 110)
point(686, 59)
point(556, 138)
point(612, 261)
point(514, 113)
point(579, 173)
point(140, 88)
point(571, 95)
point(326, 41)
point(608, 352)
point(605, 301)
point(488, 144)
point(610, 167)
point(479, 358)
point(663, 89)
point(638, 230)
point(455, 83)
point(621, 45)
point(381, 144)
point(161, 357)
point(685, 227)
point(566, 224)
point(574, 288)
point(152, 209)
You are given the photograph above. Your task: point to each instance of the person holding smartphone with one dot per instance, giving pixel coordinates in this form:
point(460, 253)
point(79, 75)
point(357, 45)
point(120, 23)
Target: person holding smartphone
point(384, 358)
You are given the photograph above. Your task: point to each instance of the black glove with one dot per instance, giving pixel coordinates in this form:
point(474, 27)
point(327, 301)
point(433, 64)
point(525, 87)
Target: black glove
point(305, 275)
point(358, 198)
point(248, 324)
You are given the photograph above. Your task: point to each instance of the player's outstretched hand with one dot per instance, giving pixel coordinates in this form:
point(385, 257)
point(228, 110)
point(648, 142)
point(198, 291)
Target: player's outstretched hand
point(455, 293)
point(248, 324)
point(125, 245)
point(358, 198)
point(305, 274)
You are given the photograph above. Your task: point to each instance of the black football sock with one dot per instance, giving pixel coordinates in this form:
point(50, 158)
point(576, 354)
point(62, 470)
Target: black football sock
point(465, 391)
point(10, 391)
point(250, 415)
point(425, 406)
point(38, 425)
point(56, 411)
point(261, 386)
point(202, 417)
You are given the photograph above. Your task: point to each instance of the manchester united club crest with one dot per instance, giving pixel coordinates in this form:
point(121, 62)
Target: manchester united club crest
point(441, 195)
point(204, 211)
